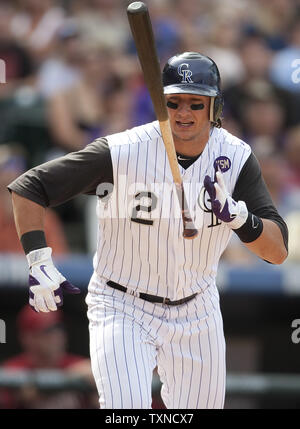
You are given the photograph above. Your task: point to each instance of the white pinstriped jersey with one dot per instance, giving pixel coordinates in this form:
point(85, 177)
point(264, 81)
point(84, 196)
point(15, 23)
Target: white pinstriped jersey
point(140, 243)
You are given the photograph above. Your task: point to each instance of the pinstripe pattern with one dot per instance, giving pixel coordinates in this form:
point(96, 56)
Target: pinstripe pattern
point(129, 337)
point(155, 258)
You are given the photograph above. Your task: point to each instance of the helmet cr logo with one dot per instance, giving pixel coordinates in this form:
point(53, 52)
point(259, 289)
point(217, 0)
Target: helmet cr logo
point(185, 73)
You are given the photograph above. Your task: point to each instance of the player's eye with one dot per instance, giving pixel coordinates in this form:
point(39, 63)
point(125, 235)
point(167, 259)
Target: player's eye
point(172, 105)
point(197, 106)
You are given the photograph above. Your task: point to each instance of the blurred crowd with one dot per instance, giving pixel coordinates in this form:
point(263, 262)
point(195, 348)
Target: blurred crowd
point(43, 342)
point(72, 74)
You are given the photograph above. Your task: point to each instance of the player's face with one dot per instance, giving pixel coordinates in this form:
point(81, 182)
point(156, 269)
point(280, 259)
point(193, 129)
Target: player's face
point(189, 118)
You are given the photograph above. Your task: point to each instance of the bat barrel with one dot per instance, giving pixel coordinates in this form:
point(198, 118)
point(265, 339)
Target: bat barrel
point(141, 28)
point(137, 7)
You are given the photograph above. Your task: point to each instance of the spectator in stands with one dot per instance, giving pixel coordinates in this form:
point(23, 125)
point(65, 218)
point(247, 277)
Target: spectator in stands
point(18, 67)
point(61, 70)
point(257, 105)
point(263, 115)
point(192, 13)
point(119, 110)
point(193, 21)
point(12, 164)
point(292, 155)
point(285, 73)
point(18, 62)
point(222, 47)
point(273, 19)
point(286, 62)
point(75, 114)
point(103, 22)
point(43, 340)
point(256, 57)
point(35, 25)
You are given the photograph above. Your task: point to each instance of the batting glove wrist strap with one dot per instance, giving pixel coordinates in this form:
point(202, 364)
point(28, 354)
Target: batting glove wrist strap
point(223, 205)
point(46, 283)
point(39, 256)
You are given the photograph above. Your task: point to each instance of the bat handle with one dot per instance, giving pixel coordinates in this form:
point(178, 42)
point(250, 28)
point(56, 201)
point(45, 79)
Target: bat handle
point(189, 230)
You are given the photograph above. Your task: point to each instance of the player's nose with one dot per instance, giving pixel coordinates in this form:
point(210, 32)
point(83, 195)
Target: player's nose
point(184, 109)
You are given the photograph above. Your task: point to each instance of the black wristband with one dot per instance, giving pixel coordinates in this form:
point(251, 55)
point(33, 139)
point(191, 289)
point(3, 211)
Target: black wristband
point(33, 240)
point(251, 229)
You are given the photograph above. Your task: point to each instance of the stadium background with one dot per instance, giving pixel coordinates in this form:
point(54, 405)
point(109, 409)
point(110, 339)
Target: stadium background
point(72, 74)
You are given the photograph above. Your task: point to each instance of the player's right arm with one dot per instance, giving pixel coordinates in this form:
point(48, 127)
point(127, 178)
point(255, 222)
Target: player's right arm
point(49, 185)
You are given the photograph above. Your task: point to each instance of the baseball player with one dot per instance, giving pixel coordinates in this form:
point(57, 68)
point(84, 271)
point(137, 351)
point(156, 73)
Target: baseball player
point(152, 299)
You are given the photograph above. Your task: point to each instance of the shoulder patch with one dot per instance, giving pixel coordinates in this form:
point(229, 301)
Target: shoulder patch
point(222, 163)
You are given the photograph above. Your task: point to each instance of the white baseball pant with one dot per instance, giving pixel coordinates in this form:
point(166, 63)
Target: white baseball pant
point(129, 337)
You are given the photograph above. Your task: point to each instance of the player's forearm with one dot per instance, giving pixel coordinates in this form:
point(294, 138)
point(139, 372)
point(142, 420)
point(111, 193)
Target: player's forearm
point(269, 245)
point(28, 215)
point(46, 282)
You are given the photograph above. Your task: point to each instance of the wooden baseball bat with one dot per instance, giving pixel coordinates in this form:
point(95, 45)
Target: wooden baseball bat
point(141, 28)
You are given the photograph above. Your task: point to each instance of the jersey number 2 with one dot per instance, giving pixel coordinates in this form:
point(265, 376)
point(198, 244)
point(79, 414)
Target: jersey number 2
point(148, 209)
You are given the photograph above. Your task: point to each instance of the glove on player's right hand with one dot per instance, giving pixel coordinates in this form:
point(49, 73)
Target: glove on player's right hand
point(46, 282)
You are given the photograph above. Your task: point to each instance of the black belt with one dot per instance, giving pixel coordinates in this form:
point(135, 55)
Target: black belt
point(150, 298)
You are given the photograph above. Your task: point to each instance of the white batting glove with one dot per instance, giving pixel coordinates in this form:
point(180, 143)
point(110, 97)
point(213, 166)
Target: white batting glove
point(234, 213)
point(46, 283)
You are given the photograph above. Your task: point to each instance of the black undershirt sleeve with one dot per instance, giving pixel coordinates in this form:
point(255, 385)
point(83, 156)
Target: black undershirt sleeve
point(251, 188)
point(57, 181)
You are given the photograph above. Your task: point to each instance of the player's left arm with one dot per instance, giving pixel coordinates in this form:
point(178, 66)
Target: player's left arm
point(270, 244)
point(250, 212)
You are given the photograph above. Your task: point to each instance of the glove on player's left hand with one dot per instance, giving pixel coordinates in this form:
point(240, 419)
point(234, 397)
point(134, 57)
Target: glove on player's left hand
point(46, 282)
point(223, 206)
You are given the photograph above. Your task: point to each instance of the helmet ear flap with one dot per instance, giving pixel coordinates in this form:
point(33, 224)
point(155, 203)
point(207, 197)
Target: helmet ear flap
point(216, 107)
point(212, 109)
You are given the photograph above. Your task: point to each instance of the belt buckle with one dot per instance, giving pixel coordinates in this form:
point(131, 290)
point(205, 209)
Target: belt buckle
point(166, 301)
point(133, 292)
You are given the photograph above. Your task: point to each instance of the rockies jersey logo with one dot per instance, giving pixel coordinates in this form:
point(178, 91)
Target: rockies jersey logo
point(183, 70)
point(205, 204)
